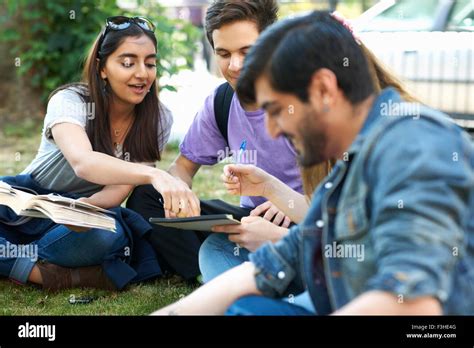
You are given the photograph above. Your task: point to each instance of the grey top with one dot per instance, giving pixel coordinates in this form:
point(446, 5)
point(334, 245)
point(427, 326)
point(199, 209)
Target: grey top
point(50, 169)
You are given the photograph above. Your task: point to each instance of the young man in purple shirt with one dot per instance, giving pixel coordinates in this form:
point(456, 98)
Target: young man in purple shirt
point(232, 27)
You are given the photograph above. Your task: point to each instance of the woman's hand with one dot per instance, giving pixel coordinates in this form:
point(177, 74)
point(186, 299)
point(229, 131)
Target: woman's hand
point(178, 199)
point(253, 232)
point(246, 180)
point(272, 213)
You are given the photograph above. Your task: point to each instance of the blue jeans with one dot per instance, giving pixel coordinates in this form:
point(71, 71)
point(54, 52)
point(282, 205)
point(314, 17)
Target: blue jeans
point(259, 305)
point(218, 254)
point(62, 247)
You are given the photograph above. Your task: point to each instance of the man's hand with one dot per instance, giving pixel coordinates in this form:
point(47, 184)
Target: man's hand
point(253, 232)
point(272, 214)
point(245, 180)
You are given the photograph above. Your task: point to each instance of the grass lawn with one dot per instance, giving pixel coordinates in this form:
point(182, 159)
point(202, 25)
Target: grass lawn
point(18, 145)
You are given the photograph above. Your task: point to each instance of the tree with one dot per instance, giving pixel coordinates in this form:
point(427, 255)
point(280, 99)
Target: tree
point(50, 39)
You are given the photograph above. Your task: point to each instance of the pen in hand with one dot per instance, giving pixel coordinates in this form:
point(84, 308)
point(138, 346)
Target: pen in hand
point(243, 146)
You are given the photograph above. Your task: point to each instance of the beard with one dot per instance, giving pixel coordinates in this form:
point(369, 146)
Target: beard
point(313, 140)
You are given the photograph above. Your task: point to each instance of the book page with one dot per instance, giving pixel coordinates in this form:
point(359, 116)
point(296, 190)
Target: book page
point(60, 209)
point(72, 203)
point(68, 216)
point(15, 199)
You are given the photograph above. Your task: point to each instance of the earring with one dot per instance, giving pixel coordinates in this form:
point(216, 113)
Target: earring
point(104, 88)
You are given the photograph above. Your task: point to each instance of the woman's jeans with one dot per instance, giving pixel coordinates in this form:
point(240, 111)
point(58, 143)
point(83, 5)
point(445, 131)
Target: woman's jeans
point(218, 254)
point(59, 246)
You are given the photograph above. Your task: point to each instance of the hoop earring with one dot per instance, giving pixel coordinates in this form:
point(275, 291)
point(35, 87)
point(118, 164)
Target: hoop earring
point(104, 88)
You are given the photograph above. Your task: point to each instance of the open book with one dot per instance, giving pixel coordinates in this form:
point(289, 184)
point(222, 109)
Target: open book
point(198, 223)
point(60, 209)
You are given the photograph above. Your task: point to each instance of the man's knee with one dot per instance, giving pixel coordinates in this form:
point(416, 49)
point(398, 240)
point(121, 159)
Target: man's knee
point(217, 255)
point(216, 242)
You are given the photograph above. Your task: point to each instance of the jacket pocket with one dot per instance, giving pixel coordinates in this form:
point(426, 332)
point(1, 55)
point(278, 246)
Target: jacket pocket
point(354, 244)
point(351, 220)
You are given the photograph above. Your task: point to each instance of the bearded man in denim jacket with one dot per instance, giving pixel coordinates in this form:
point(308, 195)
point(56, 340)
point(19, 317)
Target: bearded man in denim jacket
point(391, 229)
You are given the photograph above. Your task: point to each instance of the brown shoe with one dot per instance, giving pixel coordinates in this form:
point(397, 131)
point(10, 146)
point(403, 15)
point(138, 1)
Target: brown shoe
point(58, 278)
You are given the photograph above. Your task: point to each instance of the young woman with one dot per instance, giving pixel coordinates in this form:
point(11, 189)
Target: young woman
point(101, 137)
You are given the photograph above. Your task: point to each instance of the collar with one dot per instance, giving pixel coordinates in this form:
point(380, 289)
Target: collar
point(374, 117)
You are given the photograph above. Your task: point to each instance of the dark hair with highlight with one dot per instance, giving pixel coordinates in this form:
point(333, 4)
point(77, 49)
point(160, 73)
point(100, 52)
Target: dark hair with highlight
point(290, 51)
point(141, 143)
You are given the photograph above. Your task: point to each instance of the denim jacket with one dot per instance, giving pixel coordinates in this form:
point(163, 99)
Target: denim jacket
point(395, 215)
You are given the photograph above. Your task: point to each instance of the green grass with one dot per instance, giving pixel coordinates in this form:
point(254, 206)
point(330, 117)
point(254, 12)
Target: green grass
point(141, 299)
point(18, 145)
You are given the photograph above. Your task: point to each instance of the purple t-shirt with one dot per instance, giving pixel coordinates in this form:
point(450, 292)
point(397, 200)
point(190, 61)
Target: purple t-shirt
point(204, 144)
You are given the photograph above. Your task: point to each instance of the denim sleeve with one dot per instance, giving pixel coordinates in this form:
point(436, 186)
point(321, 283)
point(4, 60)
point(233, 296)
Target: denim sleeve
point(278, 264)
point(421, 180)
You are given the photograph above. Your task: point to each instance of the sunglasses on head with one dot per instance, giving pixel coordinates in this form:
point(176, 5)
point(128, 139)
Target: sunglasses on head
point(118, 23)
point(123, 22)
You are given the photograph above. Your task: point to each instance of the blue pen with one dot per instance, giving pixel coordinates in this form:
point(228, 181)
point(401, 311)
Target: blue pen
point(243, 145)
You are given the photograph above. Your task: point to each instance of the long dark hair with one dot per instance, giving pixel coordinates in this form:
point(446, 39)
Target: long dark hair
point(320, 41)
point(141, 143)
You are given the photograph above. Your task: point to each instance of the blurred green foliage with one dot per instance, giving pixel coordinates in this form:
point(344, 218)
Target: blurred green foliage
point(49, 40)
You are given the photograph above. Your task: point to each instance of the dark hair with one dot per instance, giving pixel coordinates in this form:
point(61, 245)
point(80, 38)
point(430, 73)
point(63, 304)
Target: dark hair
point(290, 51)
point(141, 142)
point(221, 12)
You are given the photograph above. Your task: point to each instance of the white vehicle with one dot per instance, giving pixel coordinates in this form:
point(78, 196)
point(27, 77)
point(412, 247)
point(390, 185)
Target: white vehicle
point(430, 45)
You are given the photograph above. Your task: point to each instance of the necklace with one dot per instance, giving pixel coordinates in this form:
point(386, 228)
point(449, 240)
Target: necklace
point(117, 133)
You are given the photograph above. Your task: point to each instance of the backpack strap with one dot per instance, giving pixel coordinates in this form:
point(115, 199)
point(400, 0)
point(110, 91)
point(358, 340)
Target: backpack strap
point(222, 101)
